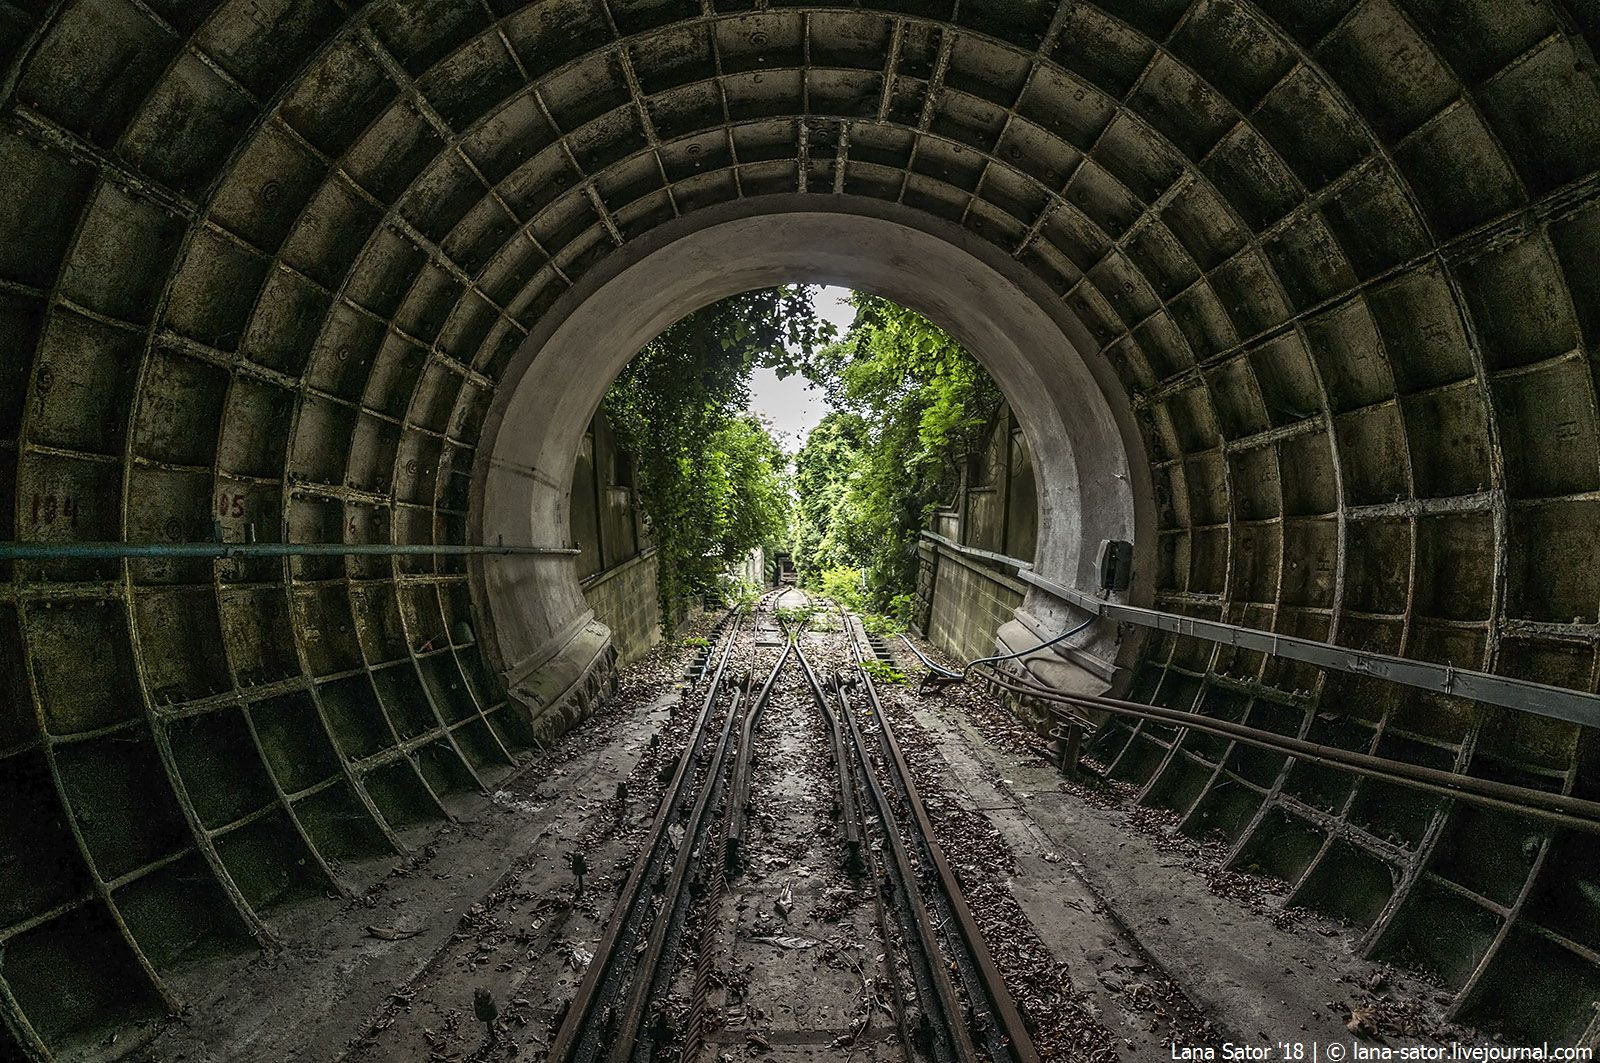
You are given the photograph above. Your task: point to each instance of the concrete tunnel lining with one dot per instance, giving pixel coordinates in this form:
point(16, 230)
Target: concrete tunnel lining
point(278, 257)
point(1093, 478)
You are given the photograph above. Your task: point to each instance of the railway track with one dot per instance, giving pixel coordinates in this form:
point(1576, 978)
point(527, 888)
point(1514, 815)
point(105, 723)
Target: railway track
point(688, 887)
point(605, 1014)
point(975, 1017)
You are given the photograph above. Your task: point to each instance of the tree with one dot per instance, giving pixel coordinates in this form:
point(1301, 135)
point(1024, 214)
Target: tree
point(710, 478)
point(823, 469)
point(918, 402)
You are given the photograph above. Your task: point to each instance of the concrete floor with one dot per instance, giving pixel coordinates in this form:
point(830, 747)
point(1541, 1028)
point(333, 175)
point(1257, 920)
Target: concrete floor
point(1127, 936)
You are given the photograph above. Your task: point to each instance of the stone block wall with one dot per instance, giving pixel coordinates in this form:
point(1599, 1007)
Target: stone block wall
point(969, 603)
point(624, 599)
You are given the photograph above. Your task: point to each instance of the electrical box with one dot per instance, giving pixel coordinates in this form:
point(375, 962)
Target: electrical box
point(1116, 564)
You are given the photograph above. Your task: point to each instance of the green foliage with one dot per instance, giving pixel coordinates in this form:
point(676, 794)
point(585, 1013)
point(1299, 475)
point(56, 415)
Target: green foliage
point(710, 478)
point(841, 584)
point(909, 403)
point(822, 489)
point(826, 621)
point(883, 671)
point(697, 643)
point(912, 401)
point(879, 624)
point(793, 618)
point(736, 592)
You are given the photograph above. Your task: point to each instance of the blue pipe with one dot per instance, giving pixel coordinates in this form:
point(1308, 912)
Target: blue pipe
point(61, 551)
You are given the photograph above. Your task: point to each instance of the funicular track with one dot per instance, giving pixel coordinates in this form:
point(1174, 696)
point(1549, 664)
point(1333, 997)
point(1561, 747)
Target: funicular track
point(968, 1011)
point(605, 1017)
point(946, 995)
point(611, 1016)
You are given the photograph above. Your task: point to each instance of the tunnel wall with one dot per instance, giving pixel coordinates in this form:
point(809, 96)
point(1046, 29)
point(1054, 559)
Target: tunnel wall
point(268, 262)
point(961, 599)
point(625, 600)
point(996, 504)
point(1498, 909)
point(1011, 322)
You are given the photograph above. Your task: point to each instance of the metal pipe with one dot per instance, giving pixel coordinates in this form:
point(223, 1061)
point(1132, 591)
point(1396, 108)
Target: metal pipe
point(947, 673)
point(1560, 809)
point(111, 551)
point(1574, 706)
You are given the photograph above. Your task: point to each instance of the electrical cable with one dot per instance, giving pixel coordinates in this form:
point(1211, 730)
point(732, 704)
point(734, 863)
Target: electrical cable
point(966, 669)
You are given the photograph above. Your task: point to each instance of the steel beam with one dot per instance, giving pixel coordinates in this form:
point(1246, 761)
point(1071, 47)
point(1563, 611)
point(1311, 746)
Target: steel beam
point(61, 551)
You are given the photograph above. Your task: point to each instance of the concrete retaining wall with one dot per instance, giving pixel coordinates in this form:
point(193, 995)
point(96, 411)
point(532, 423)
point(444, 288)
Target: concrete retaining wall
point(624, 599)
point(969, 602)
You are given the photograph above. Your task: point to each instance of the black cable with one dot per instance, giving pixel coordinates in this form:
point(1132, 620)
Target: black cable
point(970, 665)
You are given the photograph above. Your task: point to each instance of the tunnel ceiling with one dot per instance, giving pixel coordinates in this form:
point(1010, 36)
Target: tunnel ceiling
point(263, 261)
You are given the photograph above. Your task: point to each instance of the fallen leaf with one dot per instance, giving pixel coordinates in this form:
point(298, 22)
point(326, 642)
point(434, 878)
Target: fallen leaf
point(786, 942)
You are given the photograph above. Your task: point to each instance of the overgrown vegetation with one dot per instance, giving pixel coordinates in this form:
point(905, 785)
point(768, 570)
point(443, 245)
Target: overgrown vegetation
point(883, 671)
point(909, 401)
point(711, 480)
point(795, 617)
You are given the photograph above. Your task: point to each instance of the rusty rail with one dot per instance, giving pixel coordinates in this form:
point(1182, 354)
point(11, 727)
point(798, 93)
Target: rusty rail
point(849, 810)
point(739, 801)
point(1002, 1008)
point(581, 1011)
point(631, 1019)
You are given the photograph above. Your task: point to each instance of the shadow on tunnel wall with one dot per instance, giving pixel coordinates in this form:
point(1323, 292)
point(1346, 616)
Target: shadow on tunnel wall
point(262, 268)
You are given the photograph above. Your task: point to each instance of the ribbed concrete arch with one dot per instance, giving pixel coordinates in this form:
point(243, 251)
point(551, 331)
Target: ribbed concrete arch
point(264, 263)
point(1080, 436)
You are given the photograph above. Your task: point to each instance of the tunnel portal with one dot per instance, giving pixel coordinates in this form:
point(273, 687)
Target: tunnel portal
point(1296, 296)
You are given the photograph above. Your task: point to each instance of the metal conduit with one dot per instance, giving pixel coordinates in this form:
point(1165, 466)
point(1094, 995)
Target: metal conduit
point(106, 551)
point(1559, 809)
point(1561, 703)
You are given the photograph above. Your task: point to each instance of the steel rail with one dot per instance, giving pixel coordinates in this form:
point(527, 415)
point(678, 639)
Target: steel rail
point(1004, 1008)
point(739, 801)
point(650, 970)
point(113, 551)
point(647, 966)
point(914, 906)
point(849, 811)
point(1556, 808)
point(566, 1042)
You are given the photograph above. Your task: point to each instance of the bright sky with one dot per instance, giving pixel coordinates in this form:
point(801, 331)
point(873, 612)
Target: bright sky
point(793, 407)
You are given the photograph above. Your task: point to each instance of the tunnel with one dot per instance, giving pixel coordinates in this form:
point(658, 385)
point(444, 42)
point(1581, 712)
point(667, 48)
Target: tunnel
point(1296, 297)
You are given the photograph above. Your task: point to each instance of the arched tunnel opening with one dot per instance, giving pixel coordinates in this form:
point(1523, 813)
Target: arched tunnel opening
point(1012, 324)
point(307, 306)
